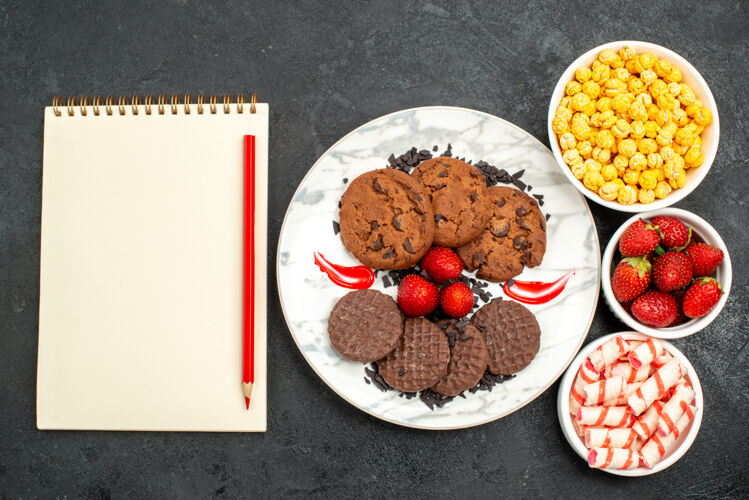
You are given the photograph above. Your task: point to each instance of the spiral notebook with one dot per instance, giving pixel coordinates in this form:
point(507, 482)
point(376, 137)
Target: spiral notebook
point(140, 307)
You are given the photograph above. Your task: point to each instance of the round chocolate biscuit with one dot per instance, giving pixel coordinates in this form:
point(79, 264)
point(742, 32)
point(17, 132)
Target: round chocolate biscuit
point(420, 358)
point(365, 325)
point(386, 219)
point(511, 333)
point(514, 237)
point(468, 359)
point(458, 195)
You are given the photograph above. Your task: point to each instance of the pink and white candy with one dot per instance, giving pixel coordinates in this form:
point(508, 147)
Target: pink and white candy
point(646, 423)
point(586, 375)
point(612, 416)
point(655, 387)
point(608, 352)
point(674, 409)
point(645, 353)
point(613, 458)
point(624, 396)
point(653, 451)
point(598, 392)
point(629, 373)
point(603, 437)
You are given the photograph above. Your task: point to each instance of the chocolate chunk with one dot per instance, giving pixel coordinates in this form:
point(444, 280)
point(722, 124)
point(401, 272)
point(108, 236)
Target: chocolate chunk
point(521, 211)
point(336, 227)
point(501, 202)
point(474, 197)
point(526, 257)
point(418, 197)
point(339, 204)
point(386, 281)
point(442, 173)
point(397, 222)
point(510, 282)
point(408, 247)
point(518, 175)
point(478, 258)
point(345, 180)
point(377, 244)
point(440, 185)
point(374, 224)
point(437, 218)
point(389, 254)
point(499, 228)
point(518, 183)
point(435, 148)
point(377, 187)
point(520, 243)
point(522, 224)
point(548, 216)
point(465, 337)
point(401, 372)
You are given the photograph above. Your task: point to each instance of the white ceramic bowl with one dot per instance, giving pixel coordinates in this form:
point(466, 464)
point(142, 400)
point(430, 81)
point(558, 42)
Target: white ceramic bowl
point(565, 419)
point(690, 76)
point(700, 229)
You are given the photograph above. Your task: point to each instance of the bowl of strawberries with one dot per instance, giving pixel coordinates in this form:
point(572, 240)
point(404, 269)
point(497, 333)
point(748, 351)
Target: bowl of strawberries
point(666, 273)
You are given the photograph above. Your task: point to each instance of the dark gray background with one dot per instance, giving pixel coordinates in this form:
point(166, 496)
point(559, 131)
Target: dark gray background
point(326, 68)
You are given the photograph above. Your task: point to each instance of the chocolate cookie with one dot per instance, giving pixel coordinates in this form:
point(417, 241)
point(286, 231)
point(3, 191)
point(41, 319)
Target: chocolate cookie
point(514, 237)
point(386, 219)
point(458, 194)
point(420, 358)
point(512, 335)
point(468, 359)
point(365, 325)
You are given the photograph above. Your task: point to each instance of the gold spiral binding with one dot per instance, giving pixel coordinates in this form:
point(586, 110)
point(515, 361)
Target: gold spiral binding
point(122, 102)
point(84, 103)
point(71, 103)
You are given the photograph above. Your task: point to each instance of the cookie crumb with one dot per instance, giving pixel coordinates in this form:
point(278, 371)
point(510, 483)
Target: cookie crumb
point(336, 228)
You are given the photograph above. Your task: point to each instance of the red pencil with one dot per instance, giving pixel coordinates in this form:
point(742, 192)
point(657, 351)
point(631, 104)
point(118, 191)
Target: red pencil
point(248, 312)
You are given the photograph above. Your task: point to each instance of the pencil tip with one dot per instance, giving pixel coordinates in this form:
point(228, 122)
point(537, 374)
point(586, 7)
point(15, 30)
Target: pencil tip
point(247, 402)
point(247, 387)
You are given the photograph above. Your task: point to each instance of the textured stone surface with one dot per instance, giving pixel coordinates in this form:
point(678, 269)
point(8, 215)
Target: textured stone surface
point(327, 68)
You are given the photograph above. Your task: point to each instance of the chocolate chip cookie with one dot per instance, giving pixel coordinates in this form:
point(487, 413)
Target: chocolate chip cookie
point(512, 335)
point(420, 358)
point(458, 194)
point(514, 237)
point(365, 325)
point(468, 359)
point(386, 219)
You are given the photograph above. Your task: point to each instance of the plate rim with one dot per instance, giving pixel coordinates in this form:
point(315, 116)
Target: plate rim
point(343, 396)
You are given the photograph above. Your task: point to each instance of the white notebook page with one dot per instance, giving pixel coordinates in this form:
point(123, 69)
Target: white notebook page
point(140, 314)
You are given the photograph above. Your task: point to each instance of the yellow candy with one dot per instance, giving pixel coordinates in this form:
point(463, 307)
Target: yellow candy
point(614, 87)
point(609, 172)
point(680, 117)
point(674, 76)
point(674, 89)
point(666, 101)
point(567, 140)
point(571, 156)
point(580, 130)
point(693, 158)
point(636, 86)
point(627, 53)
point(692, 109)
point(578, 170)
point(626, 195)
point(662, 67)
point(627, 147)
point(573, 88)
point(583, 74)
point(563, 113)
point(686, 94)
point(605, 139)
point(621, 74)
point(667, 153)
point(663, 117)
point(663, 139)
point(648, 76)
point(620, 129)
point(648, 179)
point(590, 108)
point(585, 148)
point(655, 160)
point(579, 101)
point(591, 164)
point(607, 56)
point(637, 111)
point(607, 119)
point(620, 104)
point(631, 176)
point(559, 126)
point(680, 150)
point(593, 180)
point(703, 117)
point(644, 99)
point(638, 162)
point(647, 146)
point(679, 179)
point(651, 129)
point(565, 102)
point(684, 136)
point(646, 196)
point(601, 72)
point(591, 89)
point(608, 191)
point(602, 155)
point(637, 129)
point(618, 182)
point(647, 60)
point(617, 63)
point(621, 162)
point(603, 104)
point(657, 88)
point(662, 189)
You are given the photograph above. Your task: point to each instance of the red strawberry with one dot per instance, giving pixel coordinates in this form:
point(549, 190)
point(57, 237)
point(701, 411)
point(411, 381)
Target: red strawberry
point(676, 234)
point(672, 270)
point(655, 308)
point(705, 258)
point(678, 294)
point(631, 278)
point(417, 296)
point(456, 300)
point(639, 239)
point(442, 264)
point(701, 297)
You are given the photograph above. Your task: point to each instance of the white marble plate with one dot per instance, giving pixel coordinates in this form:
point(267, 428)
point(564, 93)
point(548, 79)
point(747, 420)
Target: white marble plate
point(307, 295)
